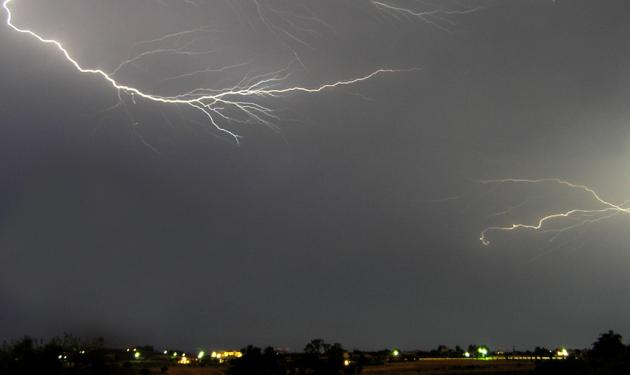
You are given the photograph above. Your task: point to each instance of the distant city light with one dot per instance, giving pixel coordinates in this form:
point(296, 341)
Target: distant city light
point(226, 355)
point(482, 351)
point(136, 355)
point(201, 354)
point(184, 360)
point(346, 362)
point(166, 352)
point(467, 355)
point(395, 352)
point(563, 353)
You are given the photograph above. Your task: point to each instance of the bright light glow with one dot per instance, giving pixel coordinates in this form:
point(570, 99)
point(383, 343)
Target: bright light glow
point(483, 351)
point(226, 355)
point(166, 352)
point(395, 352)
point(563, 353)
point(215, 105)
point(578, 216)
point(346, 362)
point(184, 360)
point(136, 355)
point(201, 354)
point(467, 355)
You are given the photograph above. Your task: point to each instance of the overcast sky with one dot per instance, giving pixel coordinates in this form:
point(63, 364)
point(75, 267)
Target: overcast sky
point(358, 220)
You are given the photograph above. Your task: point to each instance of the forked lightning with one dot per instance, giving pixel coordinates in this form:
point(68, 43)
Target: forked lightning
point(577, 216)
point(217, 105)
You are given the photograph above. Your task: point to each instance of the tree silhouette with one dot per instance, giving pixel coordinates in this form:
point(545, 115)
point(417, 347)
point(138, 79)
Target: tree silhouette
point(257, 362)
point(542, 352)
point(316, 346)
point(609, 345)
point(60, 356)
point(322, 358)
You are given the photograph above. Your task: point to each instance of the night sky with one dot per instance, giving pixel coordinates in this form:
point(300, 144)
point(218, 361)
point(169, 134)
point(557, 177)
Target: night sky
point(356, 220)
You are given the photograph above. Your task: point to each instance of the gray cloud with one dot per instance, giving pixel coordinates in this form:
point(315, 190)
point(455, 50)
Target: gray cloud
point(336, 225)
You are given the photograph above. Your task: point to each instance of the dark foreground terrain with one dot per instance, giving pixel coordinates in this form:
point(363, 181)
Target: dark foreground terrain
point(424, 367)
point(453, 366)
point(70, 356)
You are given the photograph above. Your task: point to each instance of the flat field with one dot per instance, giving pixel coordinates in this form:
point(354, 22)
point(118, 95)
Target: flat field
point(421, 367)
point(185, 370)
point(452, 366)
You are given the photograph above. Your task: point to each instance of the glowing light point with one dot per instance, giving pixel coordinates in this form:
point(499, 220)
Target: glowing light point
point(563, 353)
point(184, 360)
point(201, 354)
point(467, 355)
point(136, 355)
point(482, 351)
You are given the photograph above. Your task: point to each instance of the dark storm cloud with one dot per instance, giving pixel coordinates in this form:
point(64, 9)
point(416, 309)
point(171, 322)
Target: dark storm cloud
point(337, 226)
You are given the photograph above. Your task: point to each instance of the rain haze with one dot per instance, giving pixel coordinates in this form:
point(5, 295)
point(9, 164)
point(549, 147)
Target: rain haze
point(353, 213)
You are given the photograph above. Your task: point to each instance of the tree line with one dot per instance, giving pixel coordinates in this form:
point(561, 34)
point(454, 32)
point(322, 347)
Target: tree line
point(68, 355)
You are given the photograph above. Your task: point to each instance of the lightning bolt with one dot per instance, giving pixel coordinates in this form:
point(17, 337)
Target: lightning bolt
point(438, 17)
point(605, 210)
point(216, 105)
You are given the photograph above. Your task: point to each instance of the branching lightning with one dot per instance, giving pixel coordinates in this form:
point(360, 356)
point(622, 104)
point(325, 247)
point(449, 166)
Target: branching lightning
point(577, 217)
point(243, 102)
point(236, 103)
point(438, 17)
